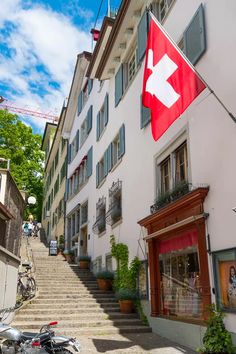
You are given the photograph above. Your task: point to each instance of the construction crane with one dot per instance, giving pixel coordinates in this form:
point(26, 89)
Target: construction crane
point(11, 107)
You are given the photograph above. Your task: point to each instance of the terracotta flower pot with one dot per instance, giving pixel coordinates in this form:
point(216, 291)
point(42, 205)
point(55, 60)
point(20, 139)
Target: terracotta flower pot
point(84, 264)
point(104, 284)
point(126, 306)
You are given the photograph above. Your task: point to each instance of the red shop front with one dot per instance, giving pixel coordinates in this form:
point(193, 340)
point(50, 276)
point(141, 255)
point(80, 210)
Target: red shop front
point(177, 256)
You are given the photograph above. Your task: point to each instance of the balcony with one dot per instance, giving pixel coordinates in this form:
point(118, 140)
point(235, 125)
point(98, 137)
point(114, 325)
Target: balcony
point(100, 224)
point(174, 194)
point(114, 213)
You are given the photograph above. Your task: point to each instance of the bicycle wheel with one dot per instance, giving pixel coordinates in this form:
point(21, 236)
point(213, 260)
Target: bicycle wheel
point(31, 287)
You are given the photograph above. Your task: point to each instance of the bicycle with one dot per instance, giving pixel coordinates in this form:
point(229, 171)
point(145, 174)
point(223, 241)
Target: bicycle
point(26, 286)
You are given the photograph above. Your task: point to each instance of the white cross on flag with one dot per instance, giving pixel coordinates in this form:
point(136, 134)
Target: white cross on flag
point(170, 83)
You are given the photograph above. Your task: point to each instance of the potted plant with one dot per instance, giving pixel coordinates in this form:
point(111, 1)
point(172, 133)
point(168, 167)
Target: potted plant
point(126, 299)
point(84, 261)
point(216, 339)
point(69, 255)
point(104, 279)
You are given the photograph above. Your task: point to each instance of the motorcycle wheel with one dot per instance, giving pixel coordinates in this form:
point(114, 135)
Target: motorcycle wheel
point(63, 351)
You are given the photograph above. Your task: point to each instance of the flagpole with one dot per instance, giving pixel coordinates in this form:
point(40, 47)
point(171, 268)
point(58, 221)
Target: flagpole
point(149, 10)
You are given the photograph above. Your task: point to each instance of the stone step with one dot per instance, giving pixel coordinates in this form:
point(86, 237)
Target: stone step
point(75, 293)
point(79, 323)
point(73, 305)
point(74, 316)
point(68, 301)
point(70, 311)
point(92, 331)
point(69, 286)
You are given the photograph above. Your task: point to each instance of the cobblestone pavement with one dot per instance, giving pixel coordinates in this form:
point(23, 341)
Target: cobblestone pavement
point(131, 343)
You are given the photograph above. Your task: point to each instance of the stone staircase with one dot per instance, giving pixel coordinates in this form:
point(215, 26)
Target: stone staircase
point(71, 296)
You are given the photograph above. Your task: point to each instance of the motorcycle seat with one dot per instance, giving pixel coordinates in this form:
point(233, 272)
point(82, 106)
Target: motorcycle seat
point(29, 335)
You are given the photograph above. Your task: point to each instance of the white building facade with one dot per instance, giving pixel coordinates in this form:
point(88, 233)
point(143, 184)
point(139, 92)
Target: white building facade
point(170, 201)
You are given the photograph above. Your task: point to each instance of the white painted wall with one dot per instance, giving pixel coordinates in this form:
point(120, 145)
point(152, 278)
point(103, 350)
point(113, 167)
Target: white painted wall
point(3, 186)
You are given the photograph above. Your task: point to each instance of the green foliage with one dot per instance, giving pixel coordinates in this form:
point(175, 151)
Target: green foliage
point(216, 338)
point(61, 242)
point(105, 274)
point(126, 294)
point(126, 277)
point(19, 144)
point(139, 310)
point(84, 258)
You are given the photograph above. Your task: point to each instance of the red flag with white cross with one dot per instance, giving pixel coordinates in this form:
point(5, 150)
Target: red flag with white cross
point(170, 83)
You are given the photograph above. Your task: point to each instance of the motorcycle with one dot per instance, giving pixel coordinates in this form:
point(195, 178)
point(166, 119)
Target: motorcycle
point(13, 341)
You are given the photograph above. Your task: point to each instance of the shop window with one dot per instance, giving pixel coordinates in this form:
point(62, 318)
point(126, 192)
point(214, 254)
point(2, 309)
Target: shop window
point(180, 277)
point(224, 263)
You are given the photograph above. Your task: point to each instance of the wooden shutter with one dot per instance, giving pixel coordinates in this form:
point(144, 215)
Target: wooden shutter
point(106, 109)
point(89, 167)
point(109, 157)
point(106, 163)
point(118, 85)
point(195, 37)
point(69, 154)
point(77, 140)
point(145, 115)
point(97, 175)
point(90, 85)
point(142, 37)
point(98, 125)
point(80, 102)
point(89, 119)
point(122, 141)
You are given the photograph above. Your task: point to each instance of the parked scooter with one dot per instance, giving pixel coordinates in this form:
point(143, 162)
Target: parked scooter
point(12, 341)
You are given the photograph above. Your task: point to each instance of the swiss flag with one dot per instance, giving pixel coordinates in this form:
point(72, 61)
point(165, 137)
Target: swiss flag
point(170, 83)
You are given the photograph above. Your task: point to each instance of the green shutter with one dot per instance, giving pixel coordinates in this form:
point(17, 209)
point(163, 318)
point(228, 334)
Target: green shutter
point(106, 163)
point(145, 115)
point(122, 141)
point(80, 102)
point(77, 140)
point(194, 37)
point(90, 85)
point(97, 175)
point(109, 157)
point(89, 119)
point(118, 85)
point(106, 108)
point(142, 37)
point(89, 166)
point(69, 154)
point(98, 125)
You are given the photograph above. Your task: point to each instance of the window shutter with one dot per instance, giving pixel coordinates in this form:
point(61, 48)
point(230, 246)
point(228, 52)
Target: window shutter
point(142, 37)
point(106, 108)
point(109, 157)
point(118, 85)
point(122, 141)
point(90, 85)
point(77, 140)
point(106, 163)
point(97, 175)
point(194, 37)
point(80, 102)
point(67, 189)
point(89, 167)
point(89, 119)
point(145, 115)
point(69, 154)
point(98, 125)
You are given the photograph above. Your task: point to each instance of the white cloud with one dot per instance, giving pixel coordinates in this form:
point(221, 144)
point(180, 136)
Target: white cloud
point(39, 37)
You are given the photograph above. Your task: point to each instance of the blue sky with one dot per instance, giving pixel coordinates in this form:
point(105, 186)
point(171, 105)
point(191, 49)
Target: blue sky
point(39, 41)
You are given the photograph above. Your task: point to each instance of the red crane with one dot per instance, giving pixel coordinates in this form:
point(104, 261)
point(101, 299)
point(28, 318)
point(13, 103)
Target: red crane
point(12, 107)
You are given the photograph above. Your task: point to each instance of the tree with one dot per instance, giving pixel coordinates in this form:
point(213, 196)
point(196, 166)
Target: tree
point(19, 144)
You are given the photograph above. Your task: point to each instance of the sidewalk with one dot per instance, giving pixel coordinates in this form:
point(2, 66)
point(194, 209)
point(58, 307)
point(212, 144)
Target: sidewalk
point(131, 343)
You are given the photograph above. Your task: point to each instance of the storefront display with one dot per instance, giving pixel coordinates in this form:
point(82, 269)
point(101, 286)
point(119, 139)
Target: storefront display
point(225, 278)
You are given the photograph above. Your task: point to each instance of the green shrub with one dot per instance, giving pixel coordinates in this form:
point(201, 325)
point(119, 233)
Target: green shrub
point(126, 294)
point(105, 274)
point(216, 338)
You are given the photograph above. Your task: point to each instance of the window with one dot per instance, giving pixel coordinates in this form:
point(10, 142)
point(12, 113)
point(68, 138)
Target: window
point(63, 144)
point(56, 159)
point(132, 66)
point(63, 172)
point(77, 220)
point(164, 6)
point(102, 117)
point(180, 277)
point(173, 170)
point(86, 126)
point(109, 262)
point(165, 175)
point(100, 225)
point(114, 213)
point(84, 213)
point(224, 263)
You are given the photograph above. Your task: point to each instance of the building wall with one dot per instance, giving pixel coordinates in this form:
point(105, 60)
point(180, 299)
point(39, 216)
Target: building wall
point(210, 135)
